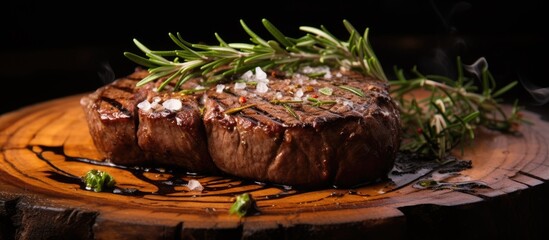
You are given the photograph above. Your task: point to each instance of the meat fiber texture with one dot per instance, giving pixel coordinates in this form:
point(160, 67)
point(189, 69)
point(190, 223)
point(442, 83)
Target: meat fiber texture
point(273, 127)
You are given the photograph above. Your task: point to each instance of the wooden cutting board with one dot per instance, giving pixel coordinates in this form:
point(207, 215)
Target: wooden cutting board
point(46, 148)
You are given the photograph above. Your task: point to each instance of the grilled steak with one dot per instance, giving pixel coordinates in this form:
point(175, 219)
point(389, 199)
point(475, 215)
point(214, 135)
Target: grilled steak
point(339, 129)
point(304, 132)
point(110, 112)
point(138, 126)
point(171, 132)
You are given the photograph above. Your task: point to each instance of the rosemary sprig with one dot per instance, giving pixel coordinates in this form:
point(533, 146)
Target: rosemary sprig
point(436, 124)
point(217, 62)
point(433, 125)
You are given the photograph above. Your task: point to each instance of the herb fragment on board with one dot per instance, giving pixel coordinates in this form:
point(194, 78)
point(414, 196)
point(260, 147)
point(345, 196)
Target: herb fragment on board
point(244, 205)
point(466, 186)
point(97, 180)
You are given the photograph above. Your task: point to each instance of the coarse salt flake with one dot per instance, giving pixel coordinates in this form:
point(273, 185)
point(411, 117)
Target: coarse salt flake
point(195, 185)
point(348, 103)
point(172, 104)
point(261, 87)
point(144, 105)
point(219, 88)
point(248, 75)
point(156, 105)
point(260, 74)
point(298, 93)
point(239, 85)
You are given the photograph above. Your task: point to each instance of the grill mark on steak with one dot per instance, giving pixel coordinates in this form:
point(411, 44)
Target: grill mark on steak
point(260, 110)
point(265, 107)
point(124, 88)
point(117, 105)
point(254, 113)
point(110, 113)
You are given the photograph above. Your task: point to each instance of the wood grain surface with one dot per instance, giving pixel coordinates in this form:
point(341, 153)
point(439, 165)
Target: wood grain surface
point(46, 148)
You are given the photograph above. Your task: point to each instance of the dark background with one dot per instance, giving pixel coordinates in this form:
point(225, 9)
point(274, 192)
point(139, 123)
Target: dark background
point(51, 50)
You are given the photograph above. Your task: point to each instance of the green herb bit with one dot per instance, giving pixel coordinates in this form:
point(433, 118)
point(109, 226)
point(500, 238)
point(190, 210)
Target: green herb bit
point(318, 103)
point(316, 74)
point(290, 110)
point(466, 186)
point(243, 205)
point(97, 180)
point(427, 183)
point(353, 90)
point(251, 83)
point(326, 91)
point(238, 109)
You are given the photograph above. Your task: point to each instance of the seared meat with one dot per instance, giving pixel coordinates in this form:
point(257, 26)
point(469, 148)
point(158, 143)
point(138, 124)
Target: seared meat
point(171, 132)
point(344, 139)
point(127, 132)
point(111, 115)
point(341, 129)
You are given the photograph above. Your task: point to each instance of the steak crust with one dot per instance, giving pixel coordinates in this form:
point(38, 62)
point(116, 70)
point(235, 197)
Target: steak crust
point(174, 137)
point(110, 112)
point(148, 136)
point(340, 129)
point(349, 140)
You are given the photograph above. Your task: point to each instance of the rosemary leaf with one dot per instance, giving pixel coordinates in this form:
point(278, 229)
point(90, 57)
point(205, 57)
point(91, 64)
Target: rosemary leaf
point(139, 60)
point(192, 91)
point(318, 103)
point(255, 38)
point(353, 90)
point(238, 109)
point(504, 89)
point(290, 110)
point(276, 33)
